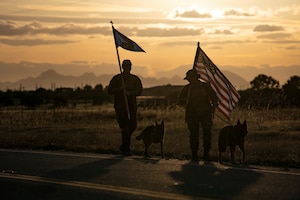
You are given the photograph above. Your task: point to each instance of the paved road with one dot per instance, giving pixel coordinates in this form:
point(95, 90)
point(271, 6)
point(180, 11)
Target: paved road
point(57, 175)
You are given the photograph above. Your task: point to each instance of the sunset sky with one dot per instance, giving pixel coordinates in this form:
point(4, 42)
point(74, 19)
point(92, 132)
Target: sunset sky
point(232, 32)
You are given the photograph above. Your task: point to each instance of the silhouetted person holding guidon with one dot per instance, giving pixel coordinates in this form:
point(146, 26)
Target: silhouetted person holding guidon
point(126, 87)
point(200, 101)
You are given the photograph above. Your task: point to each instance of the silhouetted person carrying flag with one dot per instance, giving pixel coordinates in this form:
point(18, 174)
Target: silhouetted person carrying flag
point(125, 92)
point(200, 101)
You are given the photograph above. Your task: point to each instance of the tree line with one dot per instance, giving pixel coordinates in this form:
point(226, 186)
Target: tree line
point(265, 91)
point(59, 97)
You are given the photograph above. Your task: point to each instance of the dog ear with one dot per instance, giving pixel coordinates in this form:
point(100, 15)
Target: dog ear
point(238, 122)
point(156, 123)
point(162, 122)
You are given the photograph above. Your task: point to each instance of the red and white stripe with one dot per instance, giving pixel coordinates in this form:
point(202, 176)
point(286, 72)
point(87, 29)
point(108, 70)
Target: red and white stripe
point(227, 95)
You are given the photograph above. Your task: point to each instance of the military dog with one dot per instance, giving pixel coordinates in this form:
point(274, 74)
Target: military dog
point(153, 134)
point(233, 136)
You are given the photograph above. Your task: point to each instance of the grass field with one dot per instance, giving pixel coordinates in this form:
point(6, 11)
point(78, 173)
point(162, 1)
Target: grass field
point(273, 138)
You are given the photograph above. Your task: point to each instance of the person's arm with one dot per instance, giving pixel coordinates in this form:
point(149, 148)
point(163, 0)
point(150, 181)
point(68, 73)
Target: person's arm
point(139, 87)
point(114, 86)
point(182, 97)
point(212, 95)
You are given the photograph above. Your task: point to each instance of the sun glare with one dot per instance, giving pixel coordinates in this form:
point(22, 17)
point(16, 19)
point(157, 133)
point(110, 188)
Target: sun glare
point(216, 14)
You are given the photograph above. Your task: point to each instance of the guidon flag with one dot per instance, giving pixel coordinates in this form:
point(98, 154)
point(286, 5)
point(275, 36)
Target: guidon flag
point(126, 43)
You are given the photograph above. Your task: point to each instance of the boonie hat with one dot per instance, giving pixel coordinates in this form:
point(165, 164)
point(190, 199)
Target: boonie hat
point(192, 73)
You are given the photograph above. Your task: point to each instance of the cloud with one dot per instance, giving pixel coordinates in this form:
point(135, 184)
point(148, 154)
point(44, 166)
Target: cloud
point(189, 14)
point(222, 32)
point(34, 28)
point(267, 28)
point(275, 36)
point(192, 14)
point(216, 47)
point(179, 43)
point(9, 28)
point(33, 42)
point(226, 42)
point(291, 48)
point(169, 32)
point(284, 41)
point(211, 42)
point(197, 14)
point(239, 13)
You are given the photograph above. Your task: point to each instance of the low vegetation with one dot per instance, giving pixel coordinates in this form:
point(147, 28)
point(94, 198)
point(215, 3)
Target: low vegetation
point(273, 138)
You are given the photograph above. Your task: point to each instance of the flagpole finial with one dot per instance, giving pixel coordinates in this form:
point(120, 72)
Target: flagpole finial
point(112, 23)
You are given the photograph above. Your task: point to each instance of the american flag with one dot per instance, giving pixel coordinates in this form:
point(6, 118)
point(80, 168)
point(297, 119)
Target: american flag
point(227, 95)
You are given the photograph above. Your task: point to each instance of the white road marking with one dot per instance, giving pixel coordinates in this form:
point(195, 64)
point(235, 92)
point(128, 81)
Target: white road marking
point(111, 188)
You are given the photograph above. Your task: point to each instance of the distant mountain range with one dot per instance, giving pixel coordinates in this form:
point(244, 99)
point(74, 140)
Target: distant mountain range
point(50, 79)
point(31, 75)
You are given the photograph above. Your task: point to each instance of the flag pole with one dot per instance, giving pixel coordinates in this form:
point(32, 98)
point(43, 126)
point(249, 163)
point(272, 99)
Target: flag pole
point(224, 120)
point(214, 113)
point(122, 78)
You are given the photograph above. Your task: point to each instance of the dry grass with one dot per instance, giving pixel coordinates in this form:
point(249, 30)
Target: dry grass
point(273, 139)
